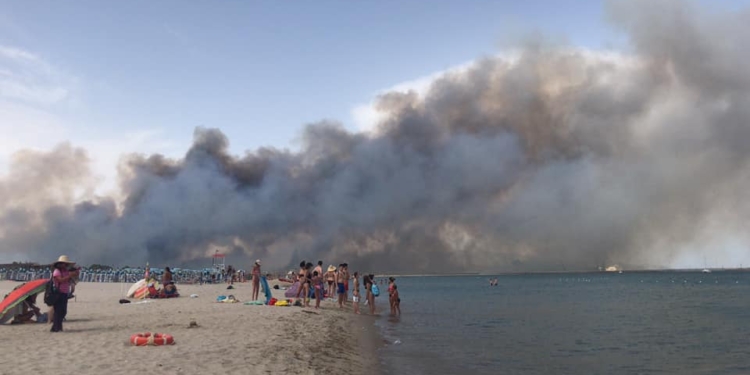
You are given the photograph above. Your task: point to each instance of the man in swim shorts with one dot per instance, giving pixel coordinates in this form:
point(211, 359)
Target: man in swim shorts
point(346, 281)
point(340, 285)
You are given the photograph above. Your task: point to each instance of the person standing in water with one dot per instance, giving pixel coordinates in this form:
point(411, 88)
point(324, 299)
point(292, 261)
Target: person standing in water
point(391, 288)
point(256, 279)
point(368, 280)
point(396, 301)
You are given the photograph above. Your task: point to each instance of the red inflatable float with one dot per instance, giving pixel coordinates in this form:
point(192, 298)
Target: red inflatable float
point(148, 338)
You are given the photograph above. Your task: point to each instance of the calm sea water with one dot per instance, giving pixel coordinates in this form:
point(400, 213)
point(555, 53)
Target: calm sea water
point(630, 323)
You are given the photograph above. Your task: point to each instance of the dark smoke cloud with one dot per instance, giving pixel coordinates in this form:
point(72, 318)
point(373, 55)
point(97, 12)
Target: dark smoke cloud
point(559, 158)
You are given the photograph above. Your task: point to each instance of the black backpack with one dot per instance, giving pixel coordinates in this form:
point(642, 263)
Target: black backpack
point(50, 293)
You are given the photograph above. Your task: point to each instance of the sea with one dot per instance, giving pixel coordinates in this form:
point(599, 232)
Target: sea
point(571, 323)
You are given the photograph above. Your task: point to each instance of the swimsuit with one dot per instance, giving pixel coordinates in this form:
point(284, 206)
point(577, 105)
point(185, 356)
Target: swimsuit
point(341, 288)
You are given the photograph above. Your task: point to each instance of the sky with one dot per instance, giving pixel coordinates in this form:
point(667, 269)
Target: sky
point(139, 76)
point(120, 78)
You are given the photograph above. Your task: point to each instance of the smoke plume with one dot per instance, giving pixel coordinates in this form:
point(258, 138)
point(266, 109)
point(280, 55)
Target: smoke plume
point(557, 158)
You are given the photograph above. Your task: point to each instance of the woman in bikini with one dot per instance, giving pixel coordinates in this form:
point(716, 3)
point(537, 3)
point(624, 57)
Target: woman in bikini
point(301, 277)
point(330, 277)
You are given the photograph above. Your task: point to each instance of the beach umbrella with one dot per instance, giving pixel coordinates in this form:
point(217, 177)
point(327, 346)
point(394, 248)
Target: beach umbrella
point(139, 290)
point(18, 295)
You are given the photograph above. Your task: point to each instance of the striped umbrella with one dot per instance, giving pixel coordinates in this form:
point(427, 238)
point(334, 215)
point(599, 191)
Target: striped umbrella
point(18, 295)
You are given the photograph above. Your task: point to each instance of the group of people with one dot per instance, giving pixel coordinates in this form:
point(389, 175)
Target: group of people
point(169, 289)
point(335, 281)
point(312, 281)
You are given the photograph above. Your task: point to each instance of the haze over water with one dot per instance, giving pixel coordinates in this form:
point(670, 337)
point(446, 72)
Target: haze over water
point(586, 323)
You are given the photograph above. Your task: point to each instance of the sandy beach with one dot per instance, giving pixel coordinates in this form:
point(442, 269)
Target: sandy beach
point(230, 337)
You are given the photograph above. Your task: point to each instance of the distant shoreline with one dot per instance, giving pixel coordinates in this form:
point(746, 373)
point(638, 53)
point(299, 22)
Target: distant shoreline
point(674, 270)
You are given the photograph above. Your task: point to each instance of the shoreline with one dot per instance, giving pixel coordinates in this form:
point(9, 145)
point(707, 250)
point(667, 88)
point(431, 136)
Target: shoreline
point(229, 337)
point(517, 273)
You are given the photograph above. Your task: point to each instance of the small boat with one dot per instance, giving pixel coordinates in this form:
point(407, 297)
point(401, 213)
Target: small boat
point(706, 270)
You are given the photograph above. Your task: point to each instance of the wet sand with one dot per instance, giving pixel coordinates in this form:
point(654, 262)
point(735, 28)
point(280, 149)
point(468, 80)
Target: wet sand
point(230, 337)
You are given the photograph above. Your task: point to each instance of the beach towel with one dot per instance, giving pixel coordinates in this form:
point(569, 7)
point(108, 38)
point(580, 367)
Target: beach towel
point(292, 291)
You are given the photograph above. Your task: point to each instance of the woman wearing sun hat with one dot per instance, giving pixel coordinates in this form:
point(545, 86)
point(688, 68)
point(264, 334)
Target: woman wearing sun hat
point(330, 277)
point(62, 280)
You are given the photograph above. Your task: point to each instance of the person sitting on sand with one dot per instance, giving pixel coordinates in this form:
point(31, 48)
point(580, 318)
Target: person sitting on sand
point(27, 310)
point(166, 278)
point(170, 289)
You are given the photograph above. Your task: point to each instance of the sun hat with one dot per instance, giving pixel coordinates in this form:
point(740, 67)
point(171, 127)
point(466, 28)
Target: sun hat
point(257, 261)
point(63, 259)
point(331, 268)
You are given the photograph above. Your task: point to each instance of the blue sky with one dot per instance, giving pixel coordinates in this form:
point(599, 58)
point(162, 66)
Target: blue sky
point(139, 76)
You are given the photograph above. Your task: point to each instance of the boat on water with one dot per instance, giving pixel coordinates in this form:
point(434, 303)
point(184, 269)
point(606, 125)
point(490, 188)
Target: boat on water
point(706, 270)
